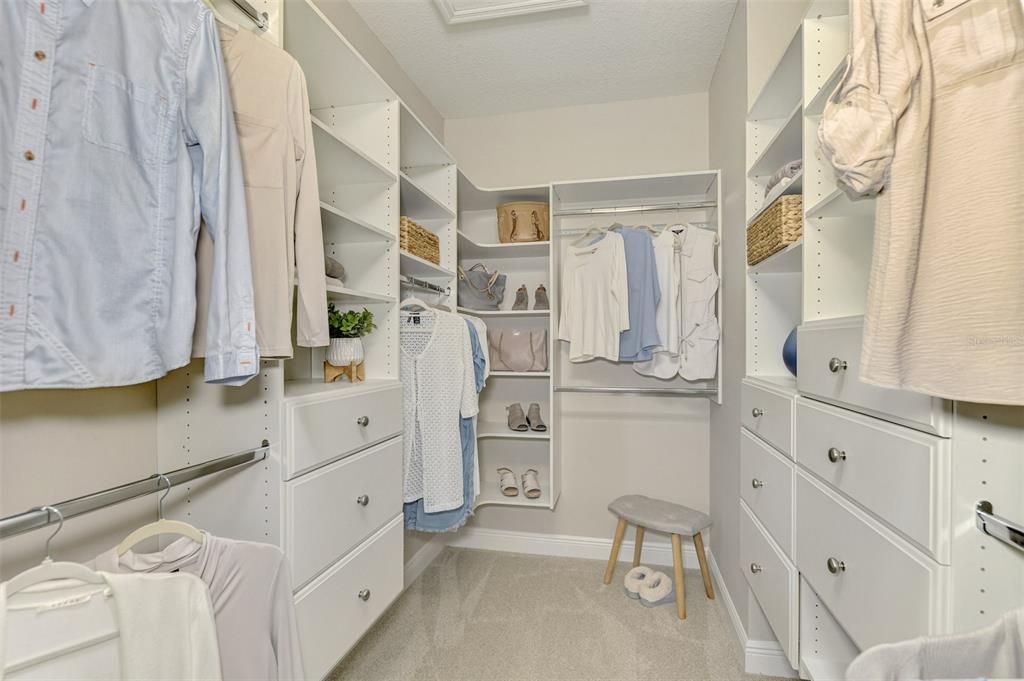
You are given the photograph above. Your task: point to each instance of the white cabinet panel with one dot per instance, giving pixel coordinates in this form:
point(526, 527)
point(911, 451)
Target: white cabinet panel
point(899, 474)
point(774, 581)
point(343, 603)
point(323, 429)
point(768, 414)
point(878, 587)
point(828, 367)
point(333, 508)
point(766, 484)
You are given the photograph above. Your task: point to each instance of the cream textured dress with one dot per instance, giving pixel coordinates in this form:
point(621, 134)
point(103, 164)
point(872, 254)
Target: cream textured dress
point(931, 113)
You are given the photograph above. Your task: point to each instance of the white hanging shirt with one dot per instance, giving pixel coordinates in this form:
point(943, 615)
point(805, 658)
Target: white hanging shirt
point(664, 362)
point(439, 388)
point(700, 329)
point(252, 600)
point(142, 628)
point(594, 299)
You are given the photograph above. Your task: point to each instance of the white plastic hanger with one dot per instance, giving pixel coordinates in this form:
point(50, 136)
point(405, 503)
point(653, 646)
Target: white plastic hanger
point(220, 17)
point(160, 527)
point(592, 230)
point(413, 302)
point(49, 570)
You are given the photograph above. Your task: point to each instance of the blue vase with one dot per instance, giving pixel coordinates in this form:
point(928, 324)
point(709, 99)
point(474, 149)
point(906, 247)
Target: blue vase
point(789, 352)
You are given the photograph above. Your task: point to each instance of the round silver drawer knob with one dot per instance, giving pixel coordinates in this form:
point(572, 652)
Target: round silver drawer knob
point(835, 566)
point(757, 412)
point(364, 594)
point(755, 568)
point(363, 500)
point(757, 484)
point(363, 421)
point(835, 455)
point(835, 365)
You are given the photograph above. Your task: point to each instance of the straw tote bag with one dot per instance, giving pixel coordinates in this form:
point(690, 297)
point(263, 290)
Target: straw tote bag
point(523, 221)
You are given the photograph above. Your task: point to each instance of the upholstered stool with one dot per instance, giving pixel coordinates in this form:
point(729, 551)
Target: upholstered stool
point(677, 520)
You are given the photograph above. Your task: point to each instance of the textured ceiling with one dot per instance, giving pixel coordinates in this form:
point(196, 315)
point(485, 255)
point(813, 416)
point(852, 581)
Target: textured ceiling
point(608, 51)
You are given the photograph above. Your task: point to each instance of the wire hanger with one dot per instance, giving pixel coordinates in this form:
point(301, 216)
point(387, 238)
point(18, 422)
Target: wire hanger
point(161, 526)
point(48, 570)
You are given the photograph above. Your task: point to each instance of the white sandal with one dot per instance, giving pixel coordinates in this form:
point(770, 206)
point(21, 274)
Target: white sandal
point(531, 485)
point(507, 482)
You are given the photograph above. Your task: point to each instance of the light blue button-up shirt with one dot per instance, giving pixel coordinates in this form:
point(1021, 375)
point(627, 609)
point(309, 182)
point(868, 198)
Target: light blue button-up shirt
point(116, 134)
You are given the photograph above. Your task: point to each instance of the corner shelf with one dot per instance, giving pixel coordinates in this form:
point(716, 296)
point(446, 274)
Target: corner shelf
point(787, 261)
point(342, 227)
point(477, 251)
point(419, 204)
point(416, 266)
point(512, 314)
point(352, 165)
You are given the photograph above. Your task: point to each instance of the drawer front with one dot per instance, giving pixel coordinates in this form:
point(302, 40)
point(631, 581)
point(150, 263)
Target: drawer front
point(828, 365)
point(768, 415)
point(879, 589)
point(899, 474)
point(766, 484)
point(326, 429)
point(331, 509)
point(774, 581)
point(330, 613)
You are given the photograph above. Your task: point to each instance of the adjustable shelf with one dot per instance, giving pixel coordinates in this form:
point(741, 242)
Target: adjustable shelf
point(348, 163)
point(416, 266)
point(783, 147)
point(342, 227)
point(349, 295)
point(838, 204)
point(787, 261)
point(497, 430)
point(506, 314)
point(469, 249)
point(420, 205)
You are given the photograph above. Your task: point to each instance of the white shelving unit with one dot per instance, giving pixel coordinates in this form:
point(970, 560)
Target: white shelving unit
point(526, 264)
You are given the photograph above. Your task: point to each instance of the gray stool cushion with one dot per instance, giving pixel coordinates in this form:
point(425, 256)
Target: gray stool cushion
point(655, 514)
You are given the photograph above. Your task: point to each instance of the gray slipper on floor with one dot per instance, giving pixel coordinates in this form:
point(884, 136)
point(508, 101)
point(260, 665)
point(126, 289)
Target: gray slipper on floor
point(635, 578)
point(534, 419)
point(657, 590)
point(516, 418)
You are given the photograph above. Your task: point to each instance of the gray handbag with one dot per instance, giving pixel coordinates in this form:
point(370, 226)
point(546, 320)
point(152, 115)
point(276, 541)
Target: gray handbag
point(514, 350)
point(480, 289)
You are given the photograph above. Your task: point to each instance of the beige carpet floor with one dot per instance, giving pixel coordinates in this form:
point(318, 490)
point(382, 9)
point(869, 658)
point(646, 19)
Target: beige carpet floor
point(483, 616)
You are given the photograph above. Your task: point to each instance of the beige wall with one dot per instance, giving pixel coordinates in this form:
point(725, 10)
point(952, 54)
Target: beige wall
point(772, 23)
point(636, 137)
point(344, 16)
point(610, 445)
point(56, 445)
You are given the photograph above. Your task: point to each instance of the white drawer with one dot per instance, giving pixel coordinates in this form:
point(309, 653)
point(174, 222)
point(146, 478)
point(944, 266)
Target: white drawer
point(330, 426)
point(878, 587)
point(828, 366)
point(899, 474)
point(766, 484)
point(768, 413)
point(774, 581)
point(330, 612)
point(325, 515)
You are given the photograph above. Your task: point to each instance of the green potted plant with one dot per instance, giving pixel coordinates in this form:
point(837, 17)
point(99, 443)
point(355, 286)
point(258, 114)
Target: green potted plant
point(347, 330)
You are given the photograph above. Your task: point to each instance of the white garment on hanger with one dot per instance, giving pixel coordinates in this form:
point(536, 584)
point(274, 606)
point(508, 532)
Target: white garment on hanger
point(595, 299)
point(252, 600)
point(700, 329)
point(439, 387)
point(664, 362)
point(162, 629)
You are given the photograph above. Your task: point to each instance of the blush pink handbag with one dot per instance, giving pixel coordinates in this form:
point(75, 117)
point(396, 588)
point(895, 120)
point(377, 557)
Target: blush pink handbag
point(516, 350)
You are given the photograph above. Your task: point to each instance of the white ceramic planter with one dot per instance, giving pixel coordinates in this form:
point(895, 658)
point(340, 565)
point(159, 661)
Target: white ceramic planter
point(344, 351)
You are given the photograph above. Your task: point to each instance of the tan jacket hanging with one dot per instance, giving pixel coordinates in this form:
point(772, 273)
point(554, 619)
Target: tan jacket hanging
point(271, 107)
point(932, 112)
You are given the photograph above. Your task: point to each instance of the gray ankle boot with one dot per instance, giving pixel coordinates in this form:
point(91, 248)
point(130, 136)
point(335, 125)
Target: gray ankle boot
point(522, 299)
point(516, 418)
point(540, 299)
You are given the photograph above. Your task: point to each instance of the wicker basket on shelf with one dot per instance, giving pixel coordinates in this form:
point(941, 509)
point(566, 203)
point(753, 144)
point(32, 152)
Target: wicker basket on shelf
point(776, 227)
point(419, 241)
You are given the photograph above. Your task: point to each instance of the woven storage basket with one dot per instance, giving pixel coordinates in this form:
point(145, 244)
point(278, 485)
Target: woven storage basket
point(774, 229)
point(419, 241)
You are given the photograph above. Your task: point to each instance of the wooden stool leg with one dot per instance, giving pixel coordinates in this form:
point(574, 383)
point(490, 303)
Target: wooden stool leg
point(620, 531)
point(639, 545)
point(698, 543)
point(677, 563)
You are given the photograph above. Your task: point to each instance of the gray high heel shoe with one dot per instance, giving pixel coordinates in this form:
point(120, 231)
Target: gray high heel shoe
point(522, 299)
point(540, 299)
point(533, 418)
point(516, 418)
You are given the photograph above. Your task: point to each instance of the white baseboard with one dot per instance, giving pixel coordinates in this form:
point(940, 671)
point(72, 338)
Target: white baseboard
point(759, 657)
point(768, 658)
point(421, 560)
point(568, 546)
